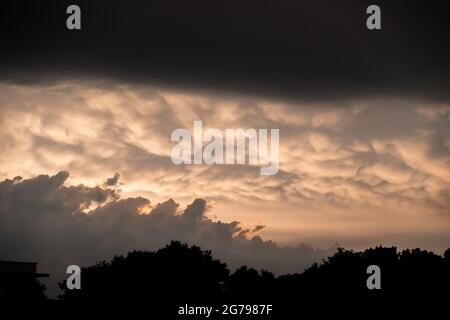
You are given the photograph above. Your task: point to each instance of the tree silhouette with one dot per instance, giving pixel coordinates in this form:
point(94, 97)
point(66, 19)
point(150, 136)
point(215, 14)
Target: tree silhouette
point(176, 273)
point(411, 280)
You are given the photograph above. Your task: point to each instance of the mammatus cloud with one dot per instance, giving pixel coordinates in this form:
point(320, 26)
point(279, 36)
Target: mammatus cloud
point(359, 172)
point(43, 219)
point(353, 153)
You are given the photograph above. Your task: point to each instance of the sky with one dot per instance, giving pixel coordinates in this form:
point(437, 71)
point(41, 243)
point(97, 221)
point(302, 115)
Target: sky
point(86, 119)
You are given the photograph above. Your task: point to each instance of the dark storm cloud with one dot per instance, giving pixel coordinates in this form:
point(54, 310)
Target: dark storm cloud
point(112, 181)
point(42, 219)
point(285, 49)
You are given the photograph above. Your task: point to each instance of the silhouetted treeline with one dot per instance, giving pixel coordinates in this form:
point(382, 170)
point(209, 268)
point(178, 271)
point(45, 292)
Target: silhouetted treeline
point(159, 282)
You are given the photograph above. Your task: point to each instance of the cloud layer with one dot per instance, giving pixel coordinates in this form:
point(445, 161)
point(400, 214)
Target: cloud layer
point(353, 153)
point(360, 172)
point(295, 49)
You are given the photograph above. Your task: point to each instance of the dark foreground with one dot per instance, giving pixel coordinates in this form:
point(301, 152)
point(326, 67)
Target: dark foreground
point(179, 280)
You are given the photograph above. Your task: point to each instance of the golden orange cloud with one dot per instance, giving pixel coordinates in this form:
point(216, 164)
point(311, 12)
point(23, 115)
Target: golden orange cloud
point(349, 169)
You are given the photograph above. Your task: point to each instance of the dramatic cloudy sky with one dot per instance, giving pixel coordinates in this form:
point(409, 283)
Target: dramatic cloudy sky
point(86, 118)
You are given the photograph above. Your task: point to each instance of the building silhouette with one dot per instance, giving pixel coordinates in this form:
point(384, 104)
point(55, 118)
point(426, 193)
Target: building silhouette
point(18, 282)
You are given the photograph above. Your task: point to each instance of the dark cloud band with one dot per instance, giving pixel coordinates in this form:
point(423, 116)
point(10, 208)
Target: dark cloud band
point(293, 49)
